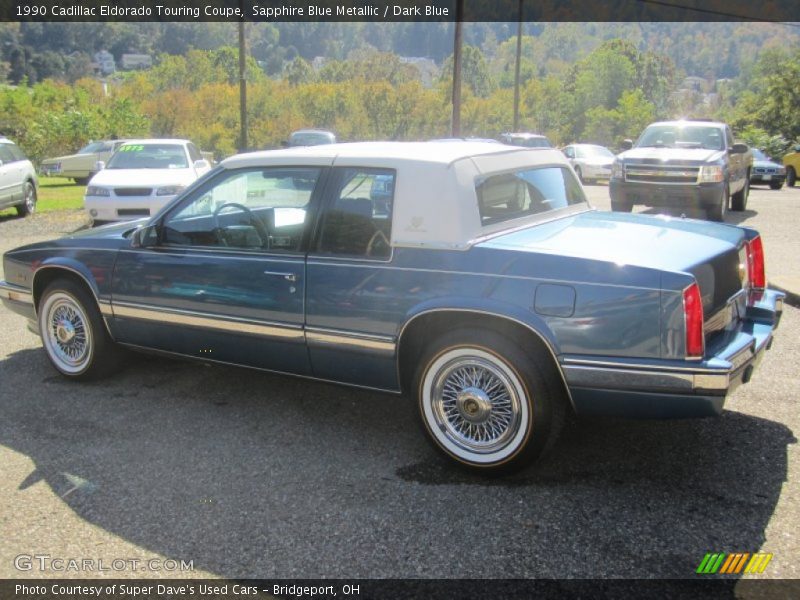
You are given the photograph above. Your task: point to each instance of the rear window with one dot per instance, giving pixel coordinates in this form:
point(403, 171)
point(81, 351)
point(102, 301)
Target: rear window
point(507, 196)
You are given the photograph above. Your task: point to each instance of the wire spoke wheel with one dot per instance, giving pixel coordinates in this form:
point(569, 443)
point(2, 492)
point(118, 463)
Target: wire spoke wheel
point(66, 334)
point(475, 405)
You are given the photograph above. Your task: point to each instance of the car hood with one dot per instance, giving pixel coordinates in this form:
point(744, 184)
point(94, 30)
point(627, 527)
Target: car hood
point(769, 164)
point(48, 161)
point(596, 162)
point(675, 155)
point(143, 177)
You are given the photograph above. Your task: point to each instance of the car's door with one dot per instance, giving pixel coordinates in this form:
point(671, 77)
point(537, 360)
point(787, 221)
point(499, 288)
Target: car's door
point(354, 299)
point(222, 275)
point(10, 176)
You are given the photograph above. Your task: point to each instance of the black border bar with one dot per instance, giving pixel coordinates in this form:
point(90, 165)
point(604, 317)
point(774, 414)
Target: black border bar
point(383, 11)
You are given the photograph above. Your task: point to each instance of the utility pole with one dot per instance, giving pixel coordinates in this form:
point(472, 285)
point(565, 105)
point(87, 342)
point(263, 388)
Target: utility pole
point(517, 66)
point(243, 145)
point(456, 120)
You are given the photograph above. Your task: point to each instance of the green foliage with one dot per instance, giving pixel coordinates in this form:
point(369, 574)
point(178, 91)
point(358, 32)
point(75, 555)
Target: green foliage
point(773, 145)
point(475, 74)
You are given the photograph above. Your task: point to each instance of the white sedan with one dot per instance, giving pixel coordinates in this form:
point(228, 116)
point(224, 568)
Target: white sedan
point(141, 177)
point(590, 162)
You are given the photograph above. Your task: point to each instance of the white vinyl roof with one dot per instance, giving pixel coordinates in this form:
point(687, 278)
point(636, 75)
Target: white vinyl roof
point(435, 203)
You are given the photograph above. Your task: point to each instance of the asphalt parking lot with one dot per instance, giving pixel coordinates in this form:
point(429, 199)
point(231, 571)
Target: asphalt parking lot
point(255, 475)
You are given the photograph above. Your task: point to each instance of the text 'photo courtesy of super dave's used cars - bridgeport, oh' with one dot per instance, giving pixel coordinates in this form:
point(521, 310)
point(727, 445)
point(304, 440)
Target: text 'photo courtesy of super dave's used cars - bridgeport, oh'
point(473, 277)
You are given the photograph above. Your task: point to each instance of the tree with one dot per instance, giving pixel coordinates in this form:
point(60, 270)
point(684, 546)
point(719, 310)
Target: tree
point(475, 73)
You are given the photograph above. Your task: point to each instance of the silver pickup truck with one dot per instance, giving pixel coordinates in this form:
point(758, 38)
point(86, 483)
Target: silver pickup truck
point(693, 164)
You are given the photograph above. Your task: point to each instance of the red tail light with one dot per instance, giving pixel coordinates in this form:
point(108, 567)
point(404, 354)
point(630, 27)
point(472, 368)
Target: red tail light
point(693, 314)
point(755, 264)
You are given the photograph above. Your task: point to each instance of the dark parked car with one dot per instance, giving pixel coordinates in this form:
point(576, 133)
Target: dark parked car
point(474, 277)
point(765, 170)
point(526, 140)
point(310, 137)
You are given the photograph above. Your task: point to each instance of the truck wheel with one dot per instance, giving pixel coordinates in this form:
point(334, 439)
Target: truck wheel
point(791, 176)
point(739, 199)
point(618, 206)
point(775, 185)
point(73, 334)
point(488, 403)
point(718, 212)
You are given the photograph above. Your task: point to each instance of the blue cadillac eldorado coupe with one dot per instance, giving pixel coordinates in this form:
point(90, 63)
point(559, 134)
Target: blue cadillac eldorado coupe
point(473, 276)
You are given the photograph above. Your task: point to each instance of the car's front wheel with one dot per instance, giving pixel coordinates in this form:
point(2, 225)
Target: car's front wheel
point(28, 206)
point(74, 336)
point(488, 403)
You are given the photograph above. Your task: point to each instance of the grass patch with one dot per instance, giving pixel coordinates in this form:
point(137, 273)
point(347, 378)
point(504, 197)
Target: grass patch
point(56, 193)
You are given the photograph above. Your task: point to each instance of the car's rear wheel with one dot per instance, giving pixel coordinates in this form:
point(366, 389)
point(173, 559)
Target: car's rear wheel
point(776, 185)
point(791, 176)
point(73, 334)
point(718, 212)
point(739, 199)
point(488, 403)
point(28, 206)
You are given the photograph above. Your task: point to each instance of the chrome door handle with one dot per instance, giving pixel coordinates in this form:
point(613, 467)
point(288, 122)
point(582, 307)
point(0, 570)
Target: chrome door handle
point(286, 276)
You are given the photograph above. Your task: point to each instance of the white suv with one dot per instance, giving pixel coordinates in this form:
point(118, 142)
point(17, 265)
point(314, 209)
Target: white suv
point(18, 183)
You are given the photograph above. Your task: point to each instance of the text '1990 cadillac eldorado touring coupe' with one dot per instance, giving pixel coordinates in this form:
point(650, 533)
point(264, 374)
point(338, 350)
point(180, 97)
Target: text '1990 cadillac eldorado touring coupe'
point(472, 276)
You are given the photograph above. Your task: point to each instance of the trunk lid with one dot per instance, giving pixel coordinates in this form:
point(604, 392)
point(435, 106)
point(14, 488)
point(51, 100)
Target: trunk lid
point(709, 251)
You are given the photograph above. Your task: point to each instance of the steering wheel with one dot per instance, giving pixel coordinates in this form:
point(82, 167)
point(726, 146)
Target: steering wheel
point(258, 225)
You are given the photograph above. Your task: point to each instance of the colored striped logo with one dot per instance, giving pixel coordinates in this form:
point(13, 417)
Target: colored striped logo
point(734, 563)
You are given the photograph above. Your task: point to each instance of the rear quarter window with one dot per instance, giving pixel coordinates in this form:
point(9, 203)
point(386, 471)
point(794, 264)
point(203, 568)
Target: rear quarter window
point(526, 192)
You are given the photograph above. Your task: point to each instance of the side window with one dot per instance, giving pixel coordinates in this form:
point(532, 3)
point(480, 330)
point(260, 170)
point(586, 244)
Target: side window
point(16, 153)
point(507, 196)
point(5, 154)
point(358, 222)
point(569, 152)
point(194, 153)
point(251, 209)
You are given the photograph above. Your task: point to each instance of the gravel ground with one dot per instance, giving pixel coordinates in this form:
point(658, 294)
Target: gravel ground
point(249, 474)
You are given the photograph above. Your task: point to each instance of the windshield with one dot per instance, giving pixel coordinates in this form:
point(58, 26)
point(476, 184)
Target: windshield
point(149, 156)
point(593, 152)
point(759, 155)
point(526, 192)
point(682, 136)
point(92, 147)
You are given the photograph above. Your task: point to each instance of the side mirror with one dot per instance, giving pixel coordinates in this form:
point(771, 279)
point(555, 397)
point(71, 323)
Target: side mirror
point(627, 144)
point(144, 236)
point(201, 164)
point(739, 148)
point(99, 165)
